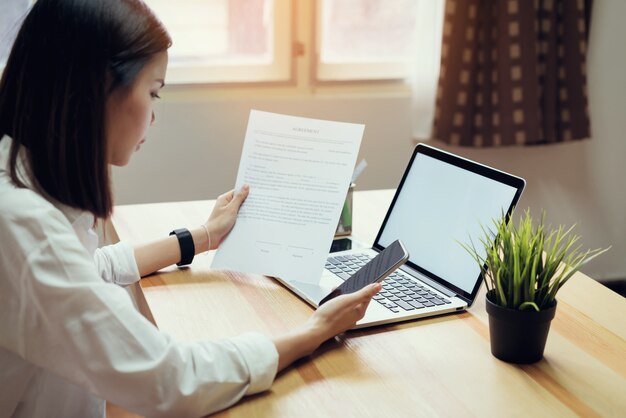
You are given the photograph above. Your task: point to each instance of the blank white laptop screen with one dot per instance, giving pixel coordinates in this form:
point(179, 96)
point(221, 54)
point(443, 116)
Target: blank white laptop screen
point(440, 204)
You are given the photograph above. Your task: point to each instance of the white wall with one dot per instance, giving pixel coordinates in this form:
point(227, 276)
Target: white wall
point(193, 150)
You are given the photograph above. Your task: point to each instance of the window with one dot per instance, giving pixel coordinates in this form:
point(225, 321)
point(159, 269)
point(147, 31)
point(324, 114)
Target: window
point(251, 41)
point(366, 39)
point(12, 12)
point(310, 47)
point(227, 40)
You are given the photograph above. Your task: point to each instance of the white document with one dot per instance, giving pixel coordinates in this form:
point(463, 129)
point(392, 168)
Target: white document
point(299, 171)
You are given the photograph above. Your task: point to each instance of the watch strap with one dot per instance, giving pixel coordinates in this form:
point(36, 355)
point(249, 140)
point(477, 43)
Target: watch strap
point(187, 248)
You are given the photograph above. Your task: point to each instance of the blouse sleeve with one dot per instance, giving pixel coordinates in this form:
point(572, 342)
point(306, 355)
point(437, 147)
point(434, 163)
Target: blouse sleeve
point(57, 313)
point(116, 264)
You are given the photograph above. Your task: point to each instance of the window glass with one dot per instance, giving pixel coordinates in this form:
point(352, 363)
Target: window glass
point(367, 30)
point(12, 13)
point(217, 31)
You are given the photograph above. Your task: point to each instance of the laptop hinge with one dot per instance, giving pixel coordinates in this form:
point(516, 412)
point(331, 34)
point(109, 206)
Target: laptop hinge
point(428, 281)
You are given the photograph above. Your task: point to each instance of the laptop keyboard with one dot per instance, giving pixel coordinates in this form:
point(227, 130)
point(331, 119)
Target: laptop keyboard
point(399, 292)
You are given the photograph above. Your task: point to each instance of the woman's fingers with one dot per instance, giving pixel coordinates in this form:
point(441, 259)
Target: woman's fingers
point(359, 301)
point(226, 196)
point(365, 294)
point(366, 298)
point(238, 198)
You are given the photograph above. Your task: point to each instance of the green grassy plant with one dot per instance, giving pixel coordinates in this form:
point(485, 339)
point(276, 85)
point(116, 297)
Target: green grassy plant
point(526, 266)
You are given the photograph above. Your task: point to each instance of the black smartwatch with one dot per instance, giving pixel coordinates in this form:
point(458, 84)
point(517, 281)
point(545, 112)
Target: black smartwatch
point(187, 249)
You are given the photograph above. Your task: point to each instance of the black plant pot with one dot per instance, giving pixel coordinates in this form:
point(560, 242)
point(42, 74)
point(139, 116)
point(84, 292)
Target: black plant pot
point(518, 336)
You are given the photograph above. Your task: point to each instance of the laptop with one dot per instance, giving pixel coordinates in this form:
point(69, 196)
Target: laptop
point(442, 200)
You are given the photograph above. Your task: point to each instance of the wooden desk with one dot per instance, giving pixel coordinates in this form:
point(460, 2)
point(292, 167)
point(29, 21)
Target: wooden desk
point(434, 367)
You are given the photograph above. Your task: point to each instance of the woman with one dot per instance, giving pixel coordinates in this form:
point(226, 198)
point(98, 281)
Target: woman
point(76, 96)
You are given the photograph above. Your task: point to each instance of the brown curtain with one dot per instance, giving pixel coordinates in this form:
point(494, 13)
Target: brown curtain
point(513, 72)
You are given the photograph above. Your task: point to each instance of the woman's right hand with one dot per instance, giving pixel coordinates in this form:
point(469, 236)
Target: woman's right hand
point(341, 313)
point(332, 318)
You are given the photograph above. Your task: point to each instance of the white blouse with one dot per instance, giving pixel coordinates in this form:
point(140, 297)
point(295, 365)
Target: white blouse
point(70, 337)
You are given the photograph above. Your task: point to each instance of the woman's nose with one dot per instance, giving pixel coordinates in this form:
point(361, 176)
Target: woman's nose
point(152, 119)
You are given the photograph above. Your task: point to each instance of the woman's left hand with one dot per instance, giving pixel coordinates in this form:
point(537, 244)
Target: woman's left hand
point(224, 215)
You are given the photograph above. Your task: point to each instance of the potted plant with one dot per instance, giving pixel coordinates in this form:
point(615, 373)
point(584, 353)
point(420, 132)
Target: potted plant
point(523, 269)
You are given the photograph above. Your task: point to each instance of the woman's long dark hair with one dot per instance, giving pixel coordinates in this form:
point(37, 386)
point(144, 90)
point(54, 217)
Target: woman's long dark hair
point(68, 56)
